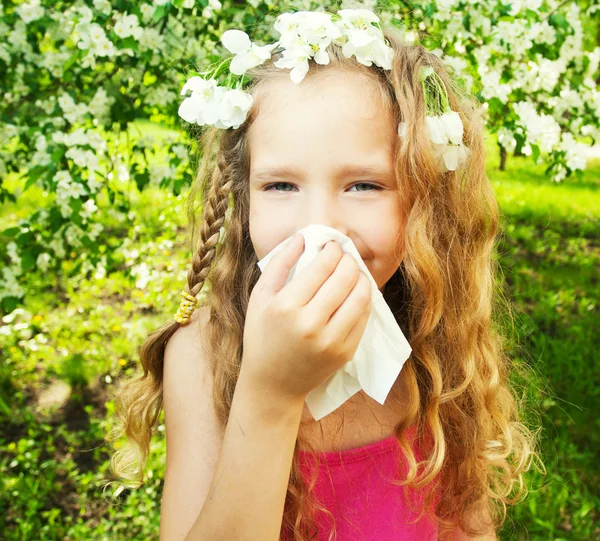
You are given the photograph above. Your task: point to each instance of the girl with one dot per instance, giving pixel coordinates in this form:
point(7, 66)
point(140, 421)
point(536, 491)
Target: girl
point(349, 147)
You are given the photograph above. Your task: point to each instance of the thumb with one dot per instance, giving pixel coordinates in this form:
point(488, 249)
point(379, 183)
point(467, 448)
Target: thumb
point(278, 269)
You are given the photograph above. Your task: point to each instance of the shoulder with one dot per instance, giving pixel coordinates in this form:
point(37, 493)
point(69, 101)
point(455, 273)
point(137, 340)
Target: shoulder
point(187, 339)
point(193, 433)
point(188, 389)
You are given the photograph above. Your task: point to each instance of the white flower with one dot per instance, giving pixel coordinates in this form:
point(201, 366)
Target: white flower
point(296, 59)
point(181, 152)
point(30, 11)
point(311, 28)
point(143, 274)
point(452, 155)
point(575, 158)
point(43, 261)
point(78, 156)
point(247, 54)
point(402, 128)
point(63, 177)
point(99, 106)
point(506, 139)
point(234, 108)
point(364, 40)
point(105, 47)
point(57, 246)
point(358, 18)
point(96, 33)
point(160, 172)
point(445, 129)
point(446, 134)
point(90, 206)
point(102, 6)
point(304, 35)
point(214, 105)
point(200, 107)
point(151, 38)
point(9, 286)
point(128, 25)
point(73, 234)
point(13, 253)
point(147, 11)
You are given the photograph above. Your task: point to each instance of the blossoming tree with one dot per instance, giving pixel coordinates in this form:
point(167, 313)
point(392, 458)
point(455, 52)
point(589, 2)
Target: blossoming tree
point(77, 75)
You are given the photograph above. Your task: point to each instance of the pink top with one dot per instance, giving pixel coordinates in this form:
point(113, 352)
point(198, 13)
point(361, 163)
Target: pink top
point(356, 490)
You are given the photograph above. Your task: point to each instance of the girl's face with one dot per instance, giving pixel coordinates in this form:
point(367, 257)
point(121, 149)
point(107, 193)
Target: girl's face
point(321, 152)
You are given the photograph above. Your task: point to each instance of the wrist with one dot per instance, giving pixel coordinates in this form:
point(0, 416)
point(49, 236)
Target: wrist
point(268, 402)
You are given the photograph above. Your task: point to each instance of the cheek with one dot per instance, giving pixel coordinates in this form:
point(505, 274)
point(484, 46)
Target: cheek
point(266, 230)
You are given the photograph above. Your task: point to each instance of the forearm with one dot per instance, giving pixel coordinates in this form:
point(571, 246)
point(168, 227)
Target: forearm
point(247, 494)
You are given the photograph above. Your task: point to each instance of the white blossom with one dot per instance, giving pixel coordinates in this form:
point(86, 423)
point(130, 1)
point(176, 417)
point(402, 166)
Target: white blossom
point(147, 12)
point(304, 35)
point(213, 105)
point(42, 261)
point(127, 25)
point(506, 139)
point(57, 246)
point(143, 274)
point(73, 235)
point(181, 152)
point(9, 286)
point(152, 39)
point(446, 134)
point(159, 172)
point(575, 158)
point(99, 106)
point(103, 6)
point(73, 112)
point(30, 11)
point(247, 54)
point(364, 40)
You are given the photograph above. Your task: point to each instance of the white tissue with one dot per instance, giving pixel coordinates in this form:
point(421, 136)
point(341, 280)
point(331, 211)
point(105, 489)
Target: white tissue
point(383, 348)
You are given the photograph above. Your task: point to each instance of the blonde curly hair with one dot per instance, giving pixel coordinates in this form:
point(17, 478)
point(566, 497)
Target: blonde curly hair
point(447, 296)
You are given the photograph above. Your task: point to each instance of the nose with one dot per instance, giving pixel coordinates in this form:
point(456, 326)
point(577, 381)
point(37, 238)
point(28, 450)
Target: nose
point(325, 211)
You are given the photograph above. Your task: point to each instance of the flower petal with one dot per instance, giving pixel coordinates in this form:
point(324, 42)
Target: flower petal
point(235, 41)
point(436, 130)
point(322, 57)
point(239, 64)
point(195, 84)
point(298, 73)
point(453, 126)
point(191, 108)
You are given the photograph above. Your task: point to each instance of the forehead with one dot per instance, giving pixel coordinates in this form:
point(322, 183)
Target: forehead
point(326, 122)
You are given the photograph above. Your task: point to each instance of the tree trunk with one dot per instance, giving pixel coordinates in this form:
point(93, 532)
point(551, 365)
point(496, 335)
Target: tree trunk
point(502, 157)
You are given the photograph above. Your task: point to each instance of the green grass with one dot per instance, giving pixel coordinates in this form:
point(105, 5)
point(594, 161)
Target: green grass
point(60, 359)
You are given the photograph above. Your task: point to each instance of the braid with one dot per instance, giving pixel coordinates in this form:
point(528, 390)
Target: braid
point(213, 217)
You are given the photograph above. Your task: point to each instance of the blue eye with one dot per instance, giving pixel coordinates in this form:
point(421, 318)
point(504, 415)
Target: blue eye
point(374, 186)
point(270, 186)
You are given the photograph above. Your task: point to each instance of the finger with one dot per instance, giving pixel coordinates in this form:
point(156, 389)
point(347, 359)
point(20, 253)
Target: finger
point(356, 306)
point(355, 335)
point(278, 269)
point(305, 284)
point(334, 291)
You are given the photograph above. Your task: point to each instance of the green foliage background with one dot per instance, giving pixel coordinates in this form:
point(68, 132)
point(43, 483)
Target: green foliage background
point(77, 334)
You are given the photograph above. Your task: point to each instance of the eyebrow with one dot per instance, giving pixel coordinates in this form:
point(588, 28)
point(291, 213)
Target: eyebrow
point(379, 172)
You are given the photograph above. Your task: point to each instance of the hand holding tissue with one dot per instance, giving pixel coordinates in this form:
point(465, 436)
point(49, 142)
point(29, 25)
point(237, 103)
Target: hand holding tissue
point(383, 348)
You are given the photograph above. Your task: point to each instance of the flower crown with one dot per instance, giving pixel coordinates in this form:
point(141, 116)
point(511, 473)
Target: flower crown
point(306, 35)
